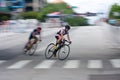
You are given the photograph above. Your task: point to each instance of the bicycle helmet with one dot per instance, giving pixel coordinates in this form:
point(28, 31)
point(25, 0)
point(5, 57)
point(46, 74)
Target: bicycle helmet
point(67, 27)
point(39, 28)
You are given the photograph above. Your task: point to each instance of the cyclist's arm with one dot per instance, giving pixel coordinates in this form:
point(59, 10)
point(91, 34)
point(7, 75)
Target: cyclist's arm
point(68, 37)
point(38, 36)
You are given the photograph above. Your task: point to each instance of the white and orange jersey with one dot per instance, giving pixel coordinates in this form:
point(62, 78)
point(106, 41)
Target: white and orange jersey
point(62, 31)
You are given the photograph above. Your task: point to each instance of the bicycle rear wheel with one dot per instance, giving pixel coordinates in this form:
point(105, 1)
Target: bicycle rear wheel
point(49, 50)
point(63, 52)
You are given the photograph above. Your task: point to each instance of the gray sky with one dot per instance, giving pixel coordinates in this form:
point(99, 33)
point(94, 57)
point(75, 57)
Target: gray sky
point(91, 5)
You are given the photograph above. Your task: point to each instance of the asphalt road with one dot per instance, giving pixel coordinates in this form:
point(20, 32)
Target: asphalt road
point(92, 57)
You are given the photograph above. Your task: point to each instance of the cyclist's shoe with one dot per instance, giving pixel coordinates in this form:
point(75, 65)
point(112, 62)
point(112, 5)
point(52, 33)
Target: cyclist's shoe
point(70, 42)
point(25, 50)
point(54, 47)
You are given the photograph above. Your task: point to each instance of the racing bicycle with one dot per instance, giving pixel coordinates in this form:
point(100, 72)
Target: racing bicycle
point(62, 50)
point(31, 47)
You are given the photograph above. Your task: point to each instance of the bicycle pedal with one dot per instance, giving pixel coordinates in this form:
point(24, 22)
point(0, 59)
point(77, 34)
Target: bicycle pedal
point(25, 50)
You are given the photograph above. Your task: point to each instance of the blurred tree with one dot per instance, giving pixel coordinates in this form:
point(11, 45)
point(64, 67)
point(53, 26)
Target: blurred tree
point(77, 21)
point(49, 8)
point(115, 12)
point(62, 7)
point(4, 18)
point(29, 15)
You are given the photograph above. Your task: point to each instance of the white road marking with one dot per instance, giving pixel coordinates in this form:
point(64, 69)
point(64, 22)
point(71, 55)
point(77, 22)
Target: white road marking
point(19, 64)
point(95, 64)
point(45, 64)
point(2, 61)
point(72, 64)
point(115, 63)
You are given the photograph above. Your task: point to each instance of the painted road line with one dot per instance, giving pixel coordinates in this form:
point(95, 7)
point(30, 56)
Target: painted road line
point(45, 64)
point(2, 61)
point(115, 63)
point(19, 64)
point(95, 64)
point(72, 64)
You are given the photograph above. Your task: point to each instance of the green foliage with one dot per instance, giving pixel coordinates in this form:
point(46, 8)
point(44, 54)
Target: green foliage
point(49, 8)
point(114, 8)
point(62, 7)
point(4, 18)
point(29, 15)
point(41, 16)
point(77, 21)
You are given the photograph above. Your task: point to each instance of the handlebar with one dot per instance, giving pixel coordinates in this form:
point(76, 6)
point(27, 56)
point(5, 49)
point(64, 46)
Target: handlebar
point(67, 41)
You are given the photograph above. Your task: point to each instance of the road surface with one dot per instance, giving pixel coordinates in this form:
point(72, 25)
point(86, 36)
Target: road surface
point(92, 57)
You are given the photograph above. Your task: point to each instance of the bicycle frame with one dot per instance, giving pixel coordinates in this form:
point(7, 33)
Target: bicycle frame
point(61, 45)
point(32, 46)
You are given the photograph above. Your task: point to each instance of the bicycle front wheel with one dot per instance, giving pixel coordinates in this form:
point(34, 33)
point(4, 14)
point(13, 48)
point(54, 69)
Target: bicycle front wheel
point(64, 52)
point(49, 50)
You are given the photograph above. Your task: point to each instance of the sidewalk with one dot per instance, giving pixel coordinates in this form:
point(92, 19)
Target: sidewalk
point(45, 32)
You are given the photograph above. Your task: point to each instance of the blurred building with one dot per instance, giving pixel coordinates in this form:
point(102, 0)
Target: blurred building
point(34, 5)
point(14, 7)
point(55, 1)
point(4, 10)
point(24, 5)
point(3, 7)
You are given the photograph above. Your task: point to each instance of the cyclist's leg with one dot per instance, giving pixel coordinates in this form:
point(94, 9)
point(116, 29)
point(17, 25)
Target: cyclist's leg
point(29, 45)
point(26, 48)
point(34, 40)
point(58, 39)
point(30, 42)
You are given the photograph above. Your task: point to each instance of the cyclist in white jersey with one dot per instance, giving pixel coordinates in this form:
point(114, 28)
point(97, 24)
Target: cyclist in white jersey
point(60, 35)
